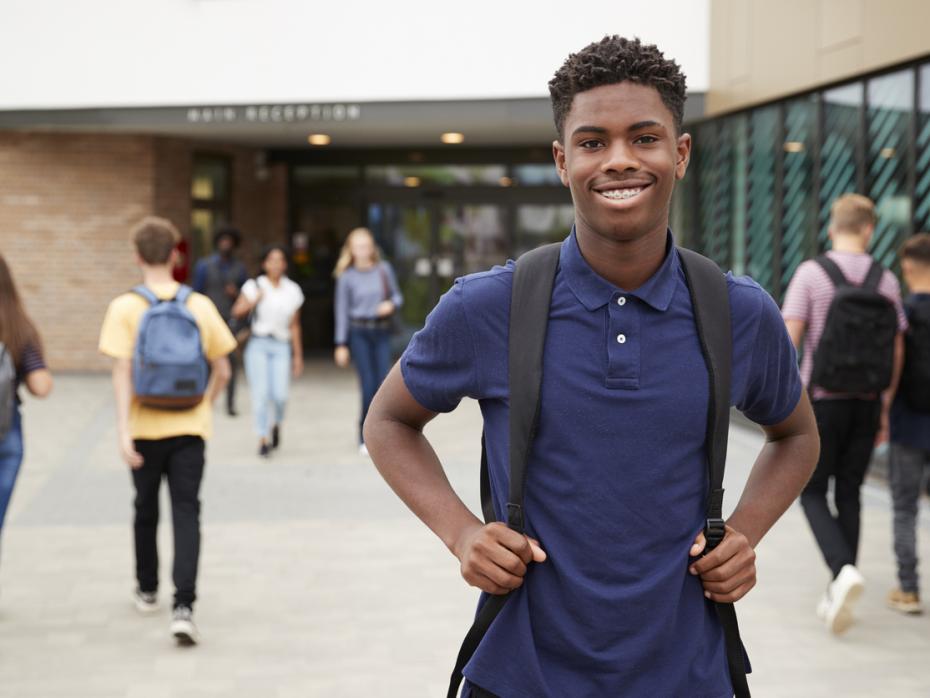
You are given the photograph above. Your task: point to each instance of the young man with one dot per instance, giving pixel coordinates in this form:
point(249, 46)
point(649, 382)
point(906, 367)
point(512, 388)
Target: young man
point(609, 600)
point(910, 423)
point(849, 423)
point(157, 443)
point(219, 277)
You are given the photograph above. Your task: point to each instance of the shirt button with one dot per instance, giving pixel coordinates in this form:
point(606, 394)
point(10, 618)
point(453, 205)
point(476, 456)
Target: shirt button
point(621, 338)
point(621, 301)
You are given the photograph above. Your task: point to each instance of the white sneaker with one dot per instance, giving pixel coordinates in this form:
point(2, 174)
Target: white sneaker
point(823, 606)
point(183, 628)
point(843, 594)
point(146, 601)
point(363, 451)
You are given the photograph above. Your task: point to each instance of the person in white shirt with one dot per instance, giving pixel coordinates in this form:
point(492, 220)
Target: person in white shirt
point(274, 351)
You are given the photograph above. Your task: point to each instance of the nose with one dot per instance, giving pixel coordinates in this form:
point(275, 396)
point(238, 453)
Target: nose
point(620, 157)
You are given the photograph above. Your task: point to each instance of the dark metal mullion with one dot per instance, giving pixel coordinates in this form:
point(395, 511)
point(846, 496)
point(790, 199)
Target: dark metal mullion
point(817, 138)
point(912, 151)
point(779, 201)
point(863, 181)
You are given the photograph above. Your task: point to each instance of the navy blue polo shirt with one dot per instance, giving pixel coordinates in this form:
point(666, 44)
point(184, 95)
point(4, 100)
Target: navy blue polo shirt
point(616, 482)
point(909, 427)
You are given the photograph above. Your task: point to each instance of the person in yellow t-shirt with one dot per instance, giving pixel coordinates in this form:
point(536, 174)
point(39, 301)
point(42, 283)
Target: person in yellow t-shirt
point(158, 443)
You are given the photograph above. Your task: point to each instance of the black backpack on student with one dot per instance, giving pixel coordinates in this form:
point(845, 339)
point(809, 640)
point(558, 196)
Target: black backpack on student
point(915, 379)
point(856, 350)
point(529, 316)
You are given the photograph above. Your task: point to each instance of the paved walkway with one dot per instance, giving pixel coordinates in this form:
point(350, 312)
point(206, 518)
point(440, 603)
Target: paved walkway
point(316, 581)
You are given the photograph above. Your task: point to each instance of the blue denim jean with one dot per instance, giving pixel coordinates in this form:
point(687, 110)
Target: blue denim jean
point(11, 456)
point(268, 371)
point(371, 354)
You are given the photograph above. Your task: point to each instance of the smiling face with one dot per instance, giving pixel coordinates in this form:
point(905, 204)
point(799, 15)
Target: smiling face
point(620, 155)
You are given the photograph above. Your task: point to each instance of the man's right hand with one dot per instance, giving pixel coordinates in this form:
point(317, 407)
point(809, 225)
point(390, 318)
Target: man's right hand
point(129, 453)
point(494, 558)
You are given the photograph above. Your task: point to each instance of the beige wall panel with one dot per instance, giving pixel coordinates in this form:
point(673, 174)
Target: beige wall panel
point(796, 45)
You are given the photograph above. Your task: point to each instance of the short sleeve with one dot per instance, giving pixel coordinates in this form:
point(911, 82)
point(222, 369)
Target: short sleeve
point(439, 365)
point(297, 296)
point(218, 341)
point(773, 385)
point(797, 305)
point(32, 360)
point(250, 290)
point(117, 337)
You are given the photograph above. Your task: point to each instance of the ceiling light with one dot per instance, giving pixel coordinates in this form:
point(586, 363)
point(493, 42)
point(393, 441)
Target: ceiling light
point(505, 182)
point(452, 138)
point(888, 153)
point(794, 147)
point(411, 181)
point(319, 139)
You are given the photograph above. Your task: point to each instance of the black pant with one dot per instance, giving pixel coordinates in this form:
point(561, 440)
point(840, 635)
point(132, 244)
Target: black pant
point(847, 434)
point(231, 386)
point(180, 459)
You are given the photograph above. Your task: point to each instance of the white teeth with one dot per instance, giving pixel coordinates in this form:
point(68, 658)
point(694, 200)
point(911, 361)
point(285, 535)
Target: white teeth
point(621, 194)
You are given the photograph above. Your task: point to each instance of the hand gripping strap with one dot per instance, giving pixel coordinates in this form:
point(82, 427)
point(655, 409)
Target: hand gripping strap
point(529, 315)
point(710, 300)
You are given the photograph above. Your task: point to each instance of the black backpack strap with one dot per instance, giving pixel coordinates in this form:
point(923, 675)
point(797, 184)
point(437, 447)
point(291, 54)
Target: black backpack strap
point(533, 279)
point(874, 277)
point(710, 300)
point(833, 270)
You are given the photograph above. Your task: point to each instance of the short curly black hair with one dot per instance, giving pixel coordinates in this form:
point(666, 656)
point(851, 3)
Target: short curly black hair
point(611, 60)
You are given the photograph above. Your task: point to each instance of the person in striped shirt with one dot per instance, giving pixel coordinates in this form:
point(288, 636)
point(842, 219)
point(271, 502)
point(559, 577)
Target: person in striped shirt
point(850, 424)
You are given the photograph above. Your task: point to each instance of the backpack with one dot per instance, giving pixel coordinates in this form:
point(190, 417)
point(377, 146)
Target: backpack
point(915, 379)
point(529, 315)
point(856, 349)
point(169, 369)
point(7, 390)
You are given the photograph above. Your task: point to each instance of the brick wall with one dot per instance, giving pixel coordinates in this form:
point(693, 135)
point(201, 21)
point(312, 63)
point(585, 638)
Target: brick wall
point(67, 202)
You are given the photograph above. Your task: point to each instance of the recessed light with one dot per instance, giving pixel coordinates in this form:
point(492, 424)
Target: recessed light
point(505, 182)
point(319, 139)
point(452, 138)
point(411, 181)
point(888, 153)
point(794, 147)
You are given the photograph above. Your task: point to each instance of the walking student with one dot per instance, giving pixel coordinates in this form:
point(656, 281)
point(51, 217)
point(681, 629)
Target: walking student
point(843, 310)
point(367, 296)
point(909, 452)
point(21, 363)
point(219, 277)
point(609, 594)
point(274, 351)
point(170, 348)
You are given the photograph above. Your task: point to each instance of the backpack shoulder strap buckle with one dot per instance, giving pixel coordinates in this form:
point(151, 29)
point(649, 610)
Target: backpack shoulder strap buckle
point(714, 531)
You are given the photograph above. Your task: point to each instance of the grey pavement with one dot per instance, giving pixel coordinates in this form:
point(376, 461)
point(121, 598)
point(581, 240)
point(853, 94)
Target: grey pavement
point(316, 581)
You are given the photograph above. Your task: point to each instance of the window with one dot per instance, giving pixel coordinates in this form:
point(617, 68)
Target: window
point(890, 103)
point(210, 200)
point(840, 171)
point(798, 205)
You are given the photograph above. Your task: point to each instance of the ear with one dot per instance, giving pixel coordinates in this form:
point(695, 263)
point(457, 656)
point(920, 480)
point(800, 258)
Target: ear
point(558, 154)
point(683, 148)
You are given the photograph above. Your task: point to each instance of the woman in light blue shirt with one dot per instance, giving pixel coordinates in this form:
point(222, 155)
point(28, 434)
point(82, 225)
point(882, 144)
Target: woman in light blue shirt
point(367, 296)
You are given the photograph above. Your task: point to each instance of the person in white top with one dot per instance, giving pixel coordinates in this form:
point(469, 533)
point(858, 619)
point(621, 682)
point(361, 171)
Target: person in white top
point(274, 351)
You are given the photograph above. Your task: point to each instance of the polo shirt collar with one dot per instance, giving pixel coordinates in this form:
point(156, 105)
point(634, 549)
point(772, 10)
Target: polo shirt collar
point(595, 292)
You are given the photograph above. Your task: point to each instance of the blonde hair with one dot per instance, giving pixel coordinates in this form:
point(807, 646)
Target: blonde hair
point(346, 259)
point(852, 213)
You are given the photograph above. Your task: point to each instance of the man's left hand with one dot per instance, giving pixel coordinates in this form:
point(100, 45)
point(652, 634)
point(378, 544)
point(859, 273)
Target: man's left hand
point(728, 571)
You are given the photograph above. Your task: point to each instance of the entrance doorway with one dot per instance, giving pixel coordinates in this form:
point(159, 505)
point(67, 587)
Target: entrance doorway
point(433, 223)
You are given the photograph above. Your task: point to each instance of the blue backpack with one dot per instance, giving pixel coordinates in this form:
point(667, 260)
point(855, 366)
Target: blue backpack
point(169, 369)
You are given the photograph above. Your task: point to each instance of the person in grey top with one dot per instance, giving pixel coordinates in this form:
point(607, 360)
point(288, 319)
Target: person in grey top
point(367, 296)
point(219, 277)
